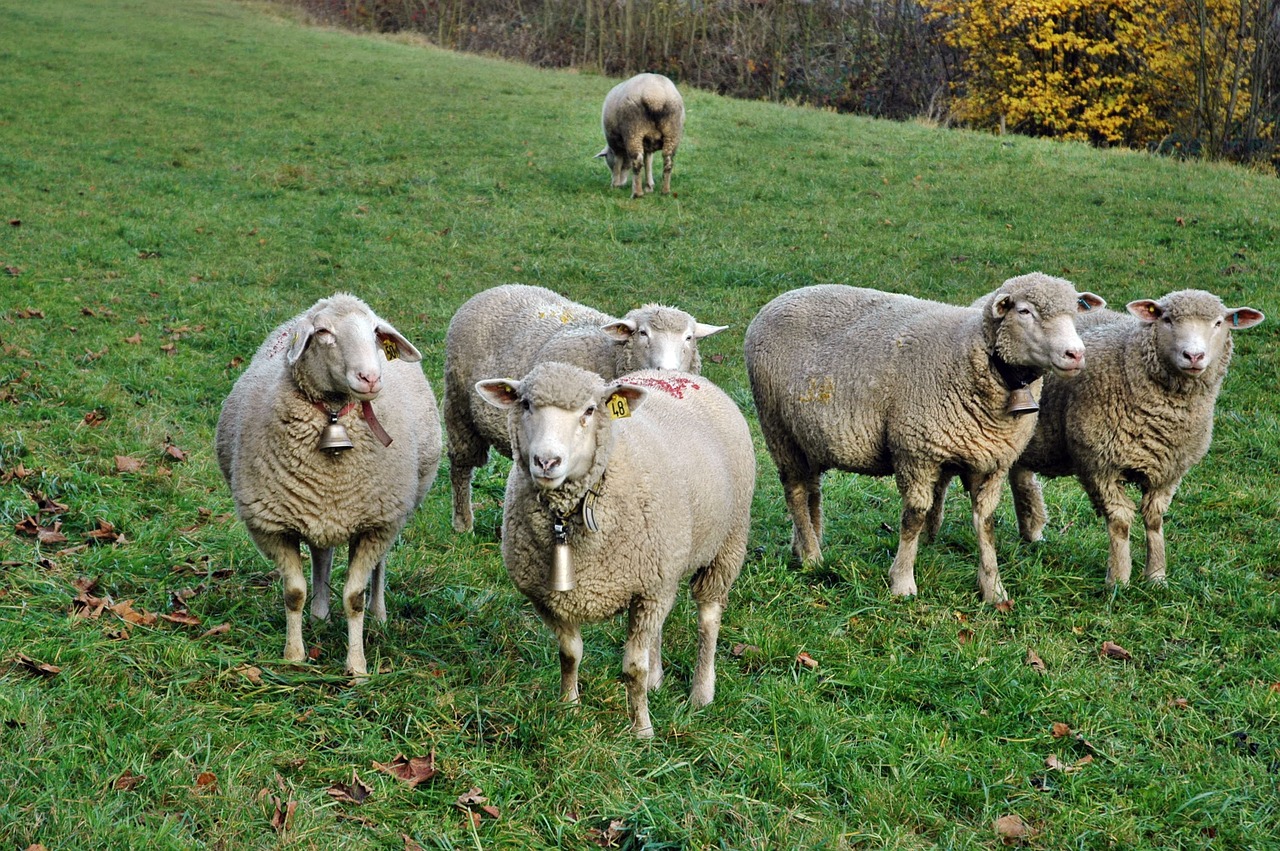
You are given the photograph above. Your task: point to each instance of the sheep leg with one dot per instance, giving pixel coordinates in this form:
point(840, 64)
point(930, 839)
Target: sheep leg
point(1155, 502)
point(916, 487)
point(656, 673)
point(467, 451)
point(984, 492)
point(668, 160)
point(1110, 500)
point(1028, 503)
point(284, 553)
point(643, 628)
point(321, 565)
point(804, 502)
point(366, 551)
point(637, 174)
point(933, 521)
point(378, 591)
point(710, 589)
point(704, 675)
point(460, 483)
point(648, 170)
point(570, 638)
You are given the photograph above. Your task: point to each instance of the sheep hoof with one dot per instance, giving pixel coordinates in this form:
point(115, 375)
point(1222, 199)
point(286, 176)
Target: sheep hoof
point(643, 732)
point(1157, 578)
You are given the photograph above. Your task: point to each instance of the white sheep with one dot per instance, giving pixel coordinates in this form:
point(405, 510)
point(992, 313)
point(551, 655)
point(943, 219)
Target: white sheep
point(640, 116)
point(329, 365)
point(1141, 413)
point(884, 384)
point(507, 329)
point(638, 502)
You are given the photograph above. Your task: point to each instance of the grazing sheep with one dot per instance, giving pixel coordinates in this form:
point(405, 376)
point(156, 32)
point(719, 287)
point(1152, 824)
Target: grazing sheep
point(326, 365)
point(877, 383)
point(640, 116)
point(644, 500)
point(1142, 413)
point(506, 330)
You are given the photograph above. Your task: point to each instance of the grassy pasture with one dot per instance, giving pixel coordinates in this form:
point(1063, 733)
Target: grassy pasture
point(177, 178)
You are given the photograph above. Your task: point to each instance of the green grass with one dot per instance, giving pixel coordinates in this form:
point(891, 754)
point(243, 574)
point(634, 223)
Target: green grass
point(193, 173)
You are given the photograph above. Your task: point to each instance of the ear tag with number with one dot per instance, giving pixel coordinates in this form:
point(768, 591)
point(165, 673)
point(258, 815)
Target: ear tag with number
point(618, 407)
point(390, 349)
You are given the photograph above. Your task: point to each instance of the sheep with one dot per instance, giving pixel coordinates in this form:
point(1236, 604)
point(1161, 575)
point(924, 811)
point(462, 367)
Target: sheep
point(507, 329)
point(643, 482)
point(642, 115)
point(879, 383)
point(325, 366)
point(1142, 413)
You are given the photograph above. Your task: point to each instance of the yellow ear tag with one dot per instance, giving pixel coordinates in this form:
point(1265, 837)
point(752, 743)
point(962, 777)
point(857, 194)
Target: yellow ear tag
point(618, 407)
point(390, 349)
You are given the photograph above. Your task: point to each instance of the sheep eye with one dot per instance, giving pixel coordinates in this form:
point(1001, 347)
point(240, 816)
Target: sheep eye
point(1168, 320)
point(589, 412)
point(688, 337)
point(1218, 324)
point(643, 333)
point(524, 403)
point(1025, 311)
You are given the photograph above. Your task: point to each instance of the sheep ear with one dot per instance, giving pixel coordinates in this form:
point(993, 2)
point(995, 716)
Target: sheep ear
point(1147, 310)
point(604, 153)
point(1001, 304)
point(701, 330)
point(499, 392)
point(394, 344)
point(620, 330)
point(303, 331)
point(1088, 301)
point(624, 399)
point(1244, 317)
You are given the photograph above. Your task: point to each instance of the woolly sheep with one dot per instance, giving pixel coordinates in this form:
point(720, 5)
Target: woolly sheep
point(336, 358)
point(642, 115)
point(506, 330)
point(668, 487)
point(878, 383)
point(1142, 412)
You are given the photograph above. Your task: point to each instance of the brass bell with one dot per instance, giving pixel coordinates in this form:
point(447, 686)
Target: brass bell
point(1021, 402)
point(334, 438)
point(562, 578)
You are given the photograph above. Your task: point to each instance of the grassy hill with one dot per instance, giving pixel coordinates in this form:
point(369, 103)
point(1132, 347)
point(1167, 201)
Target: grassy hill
point(177, 178)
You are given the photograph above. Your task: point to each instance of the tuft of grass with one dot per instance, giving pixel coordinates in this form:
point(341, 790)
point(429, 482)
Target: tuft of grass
point(178, 178)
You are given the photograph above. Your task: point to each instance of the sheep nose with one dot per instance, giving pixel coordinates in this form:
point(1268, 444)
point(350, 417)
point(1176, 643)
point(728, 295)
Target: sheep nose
point(546, 464)
point(1073, 356)
point(1194, 358)
point(372, 382)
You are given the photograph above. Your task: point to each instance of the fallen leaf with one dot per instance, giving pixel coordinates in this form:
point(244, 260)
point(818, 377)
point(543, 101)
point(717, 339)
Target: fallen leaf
point(127, 464)
point(609, 836)
point(1179, 703)
point(1054, 764)
point(354, 792)
point(1012, 830)
point(169, 348)
point(409, 844)
point(206, 781)
point(413, 771)
point(174, 452)
point(235, 363)
point(22, 660)
point(125, 611)
point(106, 533)
point(965, 636)
point(45, 505)
point(127, 781)
point(1004, 606)
point(1181, 222)
point(1111, 650)
point(135, 340)
point(808, 661)
point(282, 812)
point(249, 672)
point(313, 652)
point(44, 534)
point(1061, 730)
point(95, 418)
point(217, 630)
point(1034, 661)
point(181, 616)
point(739, 650)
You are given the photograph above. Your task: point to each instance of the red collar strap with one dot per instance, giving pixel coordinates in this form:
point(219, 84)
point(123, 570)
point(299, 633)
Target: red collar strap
point(366, 411)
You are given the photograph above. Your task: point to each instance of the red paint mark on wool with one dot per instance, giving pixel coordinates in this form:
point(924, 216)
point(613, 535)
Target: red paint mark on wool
point(671, 386)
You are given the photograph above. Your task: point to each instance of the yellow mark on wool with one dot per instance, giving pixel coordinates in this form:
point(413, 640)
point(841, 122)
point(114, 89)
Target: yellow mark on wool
point(555, 312)
point(820, 390)
point(618, 407)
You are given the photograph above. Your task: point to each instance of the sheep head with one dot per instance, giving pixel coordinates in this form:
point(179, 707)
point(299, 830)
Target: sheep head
point(338, 347)
point(657, 337)
point(1030, 322)
point(1192, 330)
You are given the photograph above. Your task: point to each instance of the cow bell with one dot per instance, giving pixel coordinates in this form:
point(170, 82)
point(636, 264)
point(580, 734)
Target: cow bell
point(334, 438)
point(1021, 402)
point(562, 578)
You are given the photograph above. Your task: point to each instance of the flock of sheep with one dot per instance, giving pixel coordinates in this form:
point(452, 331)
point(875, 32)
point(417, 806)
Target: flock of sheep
point(631, 472)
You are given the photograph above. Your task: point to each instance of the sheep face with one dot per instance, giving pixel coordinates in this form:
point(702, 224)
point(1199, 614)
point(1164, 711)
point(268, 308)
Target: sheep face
point(660, 338)
point(559, 417)
point(338, 349)
point(1034, 317)
point(1192, 329)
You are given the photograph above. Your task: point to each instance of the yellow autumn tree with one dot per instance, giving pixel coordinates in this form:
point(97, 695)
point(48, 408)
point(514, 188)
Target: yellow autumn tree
point(1123, 72)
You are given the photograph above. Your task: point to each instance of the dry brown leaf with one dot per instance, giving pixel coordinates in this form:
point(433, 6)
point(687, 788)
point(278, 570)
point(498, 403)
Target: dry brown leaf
point(1004, 606)
point(413, 771)
point(95, 418)
point(409, 844)
point(174, 452)
point(1179, 703)
point(134, 340)
point(1111, 650)
point(127, 464)
point(217, 630)
point(739, 650)
point(1061, 730)
point(44, 534)
point(1034, 661)
point(181, 616)
point(609, 836)
point(808, 661)
point(127, 781)
point(125, 611)
point(22, 660)
point(1013, 830)
point(354, 792)
point(965, 636)
point(249, 672)
point(46, 505)
point(206, 781)
point(106, 533)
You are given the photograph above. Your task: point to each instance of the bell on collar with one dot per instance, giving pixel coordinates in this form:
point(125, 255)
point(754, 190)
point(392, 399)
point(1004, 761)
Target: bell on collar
point(562, 578)
point(334, 438)
point(1021, 402)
